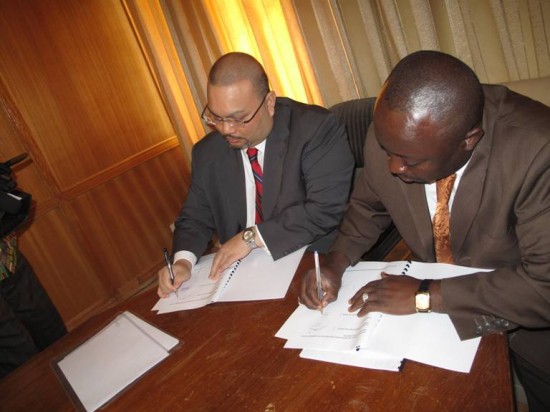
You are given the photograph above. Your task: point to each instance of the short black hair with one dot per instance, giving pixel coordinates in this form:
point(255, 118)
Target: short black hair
point(437, 82)
point(236, 66)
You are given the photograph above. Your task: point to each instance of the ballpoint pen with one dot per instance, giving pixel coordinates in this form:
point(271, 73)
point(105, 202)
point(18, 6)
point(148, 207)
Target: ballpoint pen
point(318, 277)
point(169, 265)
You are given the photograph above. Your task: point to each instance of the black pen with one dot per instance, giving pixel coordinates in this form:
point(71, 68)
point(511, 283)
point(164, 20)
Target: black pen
point(169, 265)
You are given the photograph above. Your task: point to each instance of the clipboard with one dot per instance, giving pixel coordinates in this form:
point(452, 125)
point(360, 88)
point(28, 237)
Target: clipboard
point(107, 363)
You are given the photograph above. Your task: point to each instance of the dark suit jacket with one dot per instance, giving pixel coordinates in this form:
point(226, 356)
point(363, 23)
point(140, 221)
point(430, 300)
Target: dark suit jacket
point(307, 176)
point(500, 220)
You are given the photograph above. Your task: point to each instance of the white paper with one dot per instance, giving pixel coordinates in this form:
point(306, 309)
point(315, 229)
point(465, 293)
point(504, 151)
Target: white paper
point(255, 277)
point(424, 337)
point(165, 340)
point(113, 358)
point(361, 358)
point(336, 328)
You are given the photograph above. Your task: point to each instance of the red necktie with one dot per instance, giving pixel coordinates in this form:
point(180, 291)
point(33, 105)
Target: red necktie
point(442, 222)
point(258, 179)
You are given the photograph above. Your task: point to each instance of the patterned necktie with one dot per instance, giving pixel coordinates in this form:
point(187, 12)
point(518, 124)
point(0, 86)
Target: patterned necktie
point(442, 223)
point(258, 179)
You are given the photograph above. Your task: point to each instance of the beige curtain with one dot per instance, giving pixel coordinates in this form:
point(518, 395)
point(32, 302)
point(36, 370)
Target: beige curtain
point(327, 51)
point(182, 38)
point(353, 44)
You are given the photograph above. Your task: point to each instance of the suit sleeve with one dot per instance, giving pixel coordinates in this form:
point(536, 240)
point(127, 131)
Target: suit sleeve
point(194, 225)
point(366, 217)
point(325, 167)
point(514, 294)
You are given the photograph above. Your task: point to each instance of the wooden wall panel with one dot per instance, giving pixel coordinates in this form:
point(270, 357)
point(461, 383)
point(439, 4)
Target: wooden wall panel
point(26, 172)
point(106, 172)
point(64, 266)
point(126, 221)
point(77, 74)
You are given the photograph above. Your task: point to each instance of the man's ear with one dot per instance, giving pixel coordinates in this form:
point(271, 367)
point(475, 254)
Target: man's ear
point(271, 100)
point(473, 137)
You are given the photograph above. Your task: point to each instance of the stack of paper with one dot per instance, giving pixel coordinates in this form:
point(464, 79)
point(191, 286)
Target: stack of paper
point(380, 341)
point(112, 359)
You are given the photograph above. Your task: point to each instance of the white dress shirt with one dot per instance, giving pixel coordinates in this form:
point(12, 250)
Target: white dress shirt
point(250, 190)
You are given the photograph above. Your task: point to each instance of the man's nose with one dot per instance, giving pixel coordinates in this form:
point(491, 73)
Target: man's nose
point(397, 165)
point(227, 128)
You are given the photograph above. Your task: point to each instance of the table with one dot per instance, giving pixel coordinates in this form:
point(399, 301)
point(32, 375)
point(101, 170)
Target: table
point(229, 360)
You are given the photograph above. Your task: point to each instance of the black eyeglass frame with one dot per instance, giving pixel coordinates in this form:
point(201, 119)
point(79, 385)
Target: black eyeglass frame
point(228, 122)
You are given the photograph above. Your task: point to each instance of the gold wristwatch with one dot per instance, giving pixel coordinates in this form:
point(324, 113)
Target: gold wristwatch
point(249, 237)
point(422, 297)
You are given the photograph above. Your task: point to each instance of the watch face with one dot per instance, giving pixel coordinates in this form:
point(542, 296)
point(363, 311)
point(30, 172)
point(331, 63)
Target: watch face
point(422, 301)
point(248, 235)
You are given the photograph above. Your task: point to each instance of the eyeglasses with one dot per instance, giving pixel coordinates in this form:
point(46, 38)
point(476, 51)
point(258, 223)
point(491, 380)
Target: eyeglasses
point(215, 120)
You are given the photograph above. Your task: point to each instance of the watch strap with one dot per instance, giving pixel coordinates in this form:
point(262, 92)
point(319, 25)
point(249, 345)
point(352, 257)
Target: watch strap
point(424, 285)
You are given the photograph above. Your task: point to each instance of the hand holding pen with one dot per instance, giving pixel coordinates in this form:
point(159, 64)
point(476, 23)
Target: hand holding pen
point(170, 269)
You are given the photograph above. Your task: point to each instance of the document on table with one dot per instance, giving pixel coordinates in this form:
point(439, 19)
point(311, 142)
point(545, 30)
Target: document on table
point(336, 328)
point(336, 334)
point(112, 359)
point(255, 277)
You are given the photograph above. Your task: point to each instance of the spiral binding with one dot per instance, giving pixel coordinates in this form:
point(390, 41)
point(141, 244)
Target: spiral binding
point(406, 268)
point(231, 273)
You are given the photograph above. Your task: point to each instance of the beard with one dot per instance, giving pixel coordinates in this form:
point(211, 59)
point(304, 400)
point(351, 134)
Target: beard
point(236, 142)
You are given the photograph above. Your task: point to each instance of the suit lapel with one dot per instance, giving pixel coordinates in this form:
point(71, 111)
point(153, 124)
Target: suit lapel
point(231, 177)
point(275, 150)
point(467, 199)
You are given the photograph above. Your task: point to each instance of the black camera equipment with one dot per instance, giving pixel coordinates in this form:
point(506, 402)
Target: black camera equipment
point(14, 204)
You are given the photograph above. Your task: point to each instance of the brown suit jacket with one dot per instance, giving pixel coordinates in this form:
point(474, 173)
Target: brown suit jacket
point(500, 220)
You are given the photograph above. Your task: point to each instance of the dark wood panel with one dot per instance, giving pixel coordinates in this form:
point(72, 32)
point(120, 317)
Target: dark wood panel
point(107, 173)
point(77, 74)
point(27, 174)
point(126, 221)
point(64, 266)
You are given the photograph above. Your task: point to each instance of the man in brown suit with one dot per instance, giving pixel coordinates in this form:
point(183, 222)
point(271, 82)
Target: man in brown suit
point(434, 119)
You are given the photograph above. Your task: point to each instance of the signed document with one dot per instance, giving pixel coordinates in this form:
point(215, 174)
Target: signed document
point(337, 335)
point(255, 277)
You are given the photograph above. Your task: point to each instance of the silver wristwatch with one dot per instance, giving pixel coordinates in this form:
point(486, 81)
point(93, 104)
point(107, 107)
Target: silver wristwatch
point(249, 237)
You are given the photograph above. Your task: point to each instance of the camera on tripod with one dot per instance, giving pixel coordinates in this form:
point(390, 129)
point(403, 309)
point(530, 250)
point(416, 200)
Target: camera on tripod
point(14, 204)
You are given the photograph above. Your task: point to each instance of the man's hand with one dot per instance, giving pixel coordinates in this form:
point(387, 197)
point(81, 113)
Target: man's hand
point(231, 251)
point(182, 273)
point(332, 270)
point(393, 294)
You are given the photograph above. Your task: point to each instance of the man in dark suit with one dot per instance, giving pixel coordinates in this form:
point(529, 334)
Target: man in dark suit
point(288, 194)
point(433, 119)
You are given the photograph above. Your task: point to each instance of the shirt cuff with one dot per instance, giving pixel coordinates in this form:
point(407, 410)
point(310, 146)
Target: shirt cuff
point(184, 254)
point(262, 239)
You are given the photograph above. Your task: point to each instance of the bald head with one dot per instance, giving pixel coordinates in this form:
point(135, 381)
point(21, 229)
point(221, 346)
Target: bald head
point(439, 85)
point(234, 67)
